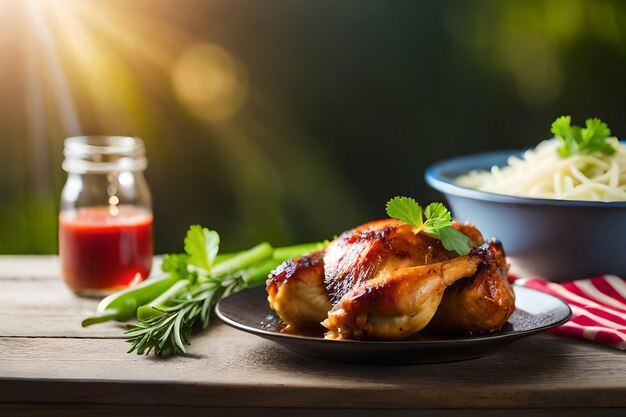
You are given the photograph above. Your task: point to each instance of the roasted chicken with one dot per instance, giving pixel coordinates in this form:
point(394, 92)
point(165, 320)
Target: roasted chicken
point(481, 303)
point(296, 291)
point(385, 280)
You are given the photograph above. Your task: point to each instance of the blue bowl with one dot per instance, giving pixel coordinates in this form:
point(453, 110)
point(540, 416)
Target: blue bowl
point(558, 240)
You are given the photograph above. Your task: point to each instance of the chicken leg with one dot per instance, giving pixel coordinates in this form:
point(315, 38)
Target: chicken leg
point(478, 304)
point(394, 306)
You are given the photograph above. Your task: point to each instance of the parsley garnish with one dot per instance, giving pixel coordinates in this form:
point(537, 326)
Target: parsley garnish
point(582, 140)
point(438, 222)
point(201, 245)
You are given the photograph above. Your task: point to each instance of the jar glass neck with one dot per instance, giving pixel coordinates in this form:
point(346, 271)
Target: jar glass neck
point(100, 154)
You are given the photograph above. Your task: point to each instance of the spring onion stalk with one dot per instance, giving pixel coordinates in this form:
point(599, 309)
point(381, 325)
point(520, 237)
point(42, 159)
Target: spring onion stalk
point(121, 306)
point(243, 260)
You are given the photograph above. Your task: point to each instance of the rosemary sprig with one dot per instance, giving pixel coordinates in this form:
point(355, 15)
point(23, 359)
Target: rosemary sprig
point(164, 326)
point(170, 332)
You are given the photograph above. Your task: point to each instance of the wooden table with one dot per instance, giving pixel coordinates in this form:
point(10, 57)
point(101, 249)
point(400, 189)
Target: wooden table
point(49, 365)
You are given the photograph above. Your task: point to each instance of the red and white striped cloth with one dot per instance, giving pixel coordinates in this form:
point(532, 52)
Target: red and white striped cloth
point(598, 307)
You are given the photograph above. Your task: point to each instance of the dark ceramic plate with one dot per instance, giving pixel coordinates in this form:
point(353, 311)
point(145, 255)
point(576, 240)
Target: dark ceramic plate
point(536, 311)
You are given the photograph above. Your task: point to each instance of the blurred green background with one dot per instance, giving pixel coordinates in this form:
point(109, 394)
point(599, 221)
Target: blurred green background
point(288, 121)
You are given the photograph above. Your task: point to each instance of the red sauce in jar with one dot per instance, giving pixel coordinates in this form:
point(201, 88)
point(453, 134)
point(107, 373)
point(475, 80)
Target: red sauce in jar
point(104, 249)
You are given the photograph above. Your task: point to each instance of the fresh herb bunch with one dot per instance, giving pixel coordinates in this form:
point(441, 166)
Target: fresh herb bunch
point(582, 140)
point(168, 333)
point(438, 223)
point(202, 278)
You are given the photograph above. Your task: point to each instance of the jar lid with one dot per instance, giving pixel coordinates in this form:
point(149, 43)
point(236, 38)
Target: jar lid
point(97, 154)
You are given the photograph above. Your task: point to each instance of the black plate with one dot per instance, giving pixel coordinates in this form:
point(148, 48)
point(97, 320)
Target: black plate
point(536, 311)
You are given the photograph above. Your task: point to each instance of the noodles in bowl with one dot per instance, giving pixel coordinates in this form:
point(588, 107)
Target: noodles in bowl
point(543, 173)
point(559, 208)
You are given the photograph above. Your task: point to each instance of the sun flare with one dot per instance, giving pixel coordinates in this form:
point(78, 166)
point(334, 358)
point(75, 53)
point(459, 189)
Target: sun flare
point(77, 53)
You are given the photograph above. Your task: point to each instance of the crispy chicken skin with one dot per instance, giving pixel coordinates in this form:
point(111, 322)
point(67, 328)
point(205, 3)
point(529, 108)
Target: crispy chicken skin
point(479, 304)
point(381, 280)
point(395, 304)
point(374, 249)
point(296, 291)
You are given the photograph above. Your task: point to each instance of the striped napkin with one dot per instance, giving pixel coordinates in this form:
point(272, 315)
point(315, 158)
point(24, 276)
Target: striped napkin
point(598, 307)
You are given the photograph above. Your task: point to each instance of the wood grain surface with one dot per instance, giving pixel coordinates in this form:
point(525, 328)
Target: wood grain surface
point(49, 365)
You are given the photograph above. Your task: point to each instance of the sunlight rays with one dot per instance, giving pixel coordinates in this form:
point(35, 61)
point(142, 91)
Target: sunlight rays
point(87, 42)
point(57, 77)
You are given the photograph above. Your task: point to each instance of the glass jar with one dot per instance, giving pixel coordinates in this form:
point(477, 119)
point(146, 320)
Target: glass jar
point(105, 219)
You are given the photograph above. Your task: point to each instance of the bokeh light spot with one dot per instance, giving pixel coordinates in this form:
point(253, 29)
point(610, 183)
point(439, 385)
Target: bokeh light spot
point(536, 71)
point(210, 82)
